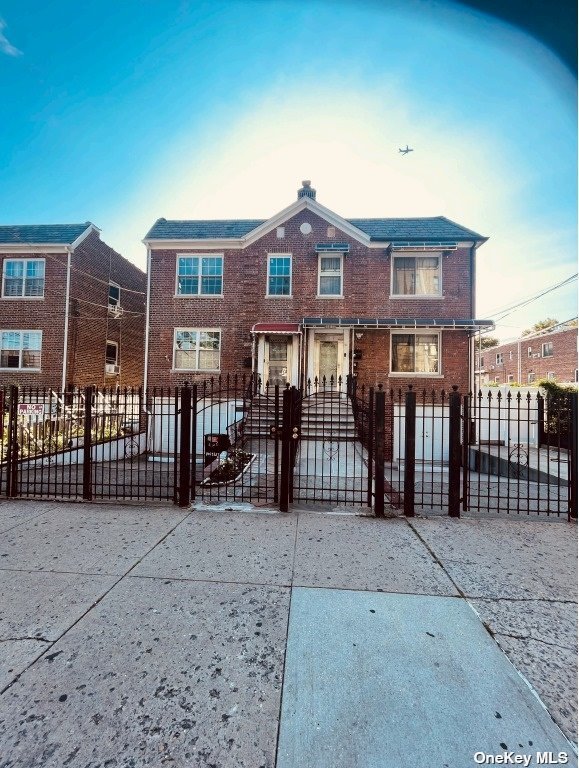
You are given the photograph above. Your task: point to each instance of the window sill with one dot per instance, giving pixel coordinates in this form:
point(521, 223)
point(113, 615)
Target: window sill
point(198, 296)
point(279, 296)
point(195, 370)
point(22, 370)
point(429, 296)
point(416, 374)
point(330, 296)
point(23, 298)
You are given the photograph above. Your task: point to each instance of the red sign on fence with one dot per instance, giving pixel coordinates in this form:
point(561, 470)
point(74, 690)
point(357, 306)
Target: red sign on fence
point(30, 409)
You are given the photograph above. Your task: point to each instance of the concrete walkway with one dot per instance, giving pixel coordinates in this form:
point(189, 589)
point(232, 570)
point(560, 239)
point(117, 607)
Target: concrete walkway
point(152, 636)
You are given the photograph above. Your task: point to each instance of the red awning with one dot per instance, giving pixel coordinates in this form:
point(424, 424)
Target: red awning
point(285, 329)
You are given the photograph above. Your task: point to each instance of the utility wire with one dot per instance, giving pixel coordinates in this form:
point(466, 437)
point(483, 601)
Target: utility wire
point(509, 310)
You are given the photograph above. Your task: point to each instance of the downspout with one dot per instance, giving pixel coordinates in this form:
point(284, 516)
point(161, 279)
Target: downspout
point(66, 319)
point(147, 314)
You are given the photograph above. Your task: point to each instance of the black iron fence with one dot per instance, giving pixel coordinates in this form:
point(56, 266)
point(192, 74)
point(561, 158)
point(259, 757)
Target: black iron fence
point(237, 438)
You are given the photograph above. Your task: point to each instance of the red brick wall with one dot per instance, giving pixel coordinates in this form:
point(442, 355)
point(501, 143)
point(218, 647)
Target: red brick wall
point(94, 264)
point(38, 314)
point(563, 362)
point(366, 290)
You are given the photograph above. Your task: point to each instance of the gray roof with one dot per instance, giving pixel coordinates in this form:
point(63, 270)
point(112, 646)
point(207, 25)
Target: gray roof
point(435, 229)
point(42, 234)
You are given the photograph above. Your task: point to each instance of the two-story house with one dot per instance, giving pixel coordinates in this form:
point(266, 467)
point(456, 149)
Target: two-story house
point(550, 354)
point(72, 310)
point(308, 294)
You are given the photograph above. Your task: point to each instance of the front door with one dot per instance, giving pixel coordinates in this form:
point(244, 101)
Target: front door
point(277, 351)
point(328, 361)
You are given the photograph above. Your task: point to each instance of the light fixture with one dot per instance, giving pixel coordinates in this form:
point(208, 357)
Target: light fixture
point(359, 335)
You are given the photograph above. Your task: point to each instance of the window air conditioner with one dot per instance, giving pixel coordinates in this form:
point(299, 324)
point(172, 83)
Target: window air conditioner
point(112, 368)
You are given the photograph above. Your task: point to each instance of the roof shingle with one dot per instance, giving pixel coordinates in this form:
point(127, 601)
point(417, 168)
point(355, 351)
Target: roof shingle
point(42, 234)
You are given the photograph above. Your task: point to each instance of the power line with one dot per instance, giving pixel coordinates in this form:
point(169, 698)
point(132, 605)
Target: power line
point(509, 310)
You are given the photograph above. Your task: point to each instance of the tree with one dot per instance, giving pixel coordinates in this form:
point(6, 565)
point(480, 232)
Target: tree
point(541, 325)
point(487, 342)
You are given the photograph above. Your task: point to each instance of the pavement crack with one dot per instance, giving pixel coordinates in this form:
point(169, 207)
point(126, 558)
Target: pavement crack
point(15, 639)
point(436, 559)
point(528, 637)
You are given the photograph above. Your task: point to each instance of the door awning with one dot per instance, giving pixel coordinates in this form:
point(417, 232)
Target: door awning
point(449, 324)
point(285, 329)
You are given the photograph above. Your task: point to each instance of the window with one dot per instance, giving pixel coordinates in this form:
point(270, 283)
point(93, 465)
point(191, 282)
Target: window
point(531, 377)
point(497, 379)
point(547, 349)
point(551, 375)
point(112, 353)
point(499, 358)
point(199, 275)
point(330, 275)
point(279, 275)
point(114, 295)
point(331, 231)
point(416, 276)
point(529, 351)
point(482, 362)
point(20, 349)
point(511, 378)
point(197, 349)
point(415, 353)
point(510, 355)
point(280, 233)
point(576, 374)
point(23, 278)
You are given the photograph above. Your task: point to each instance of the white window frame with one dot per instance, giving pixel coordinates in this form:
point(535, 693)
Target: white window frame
point(115, 344)
point(551, 375)
point(427, 374)
point(112, 304)
point(529, 351)
point(271, 256)
point(23, 294)
point(499, 359)
point(510, 355)
point(425, 254)
point(531, 376)
point(339, 273)
point(199, 294)
point(547, 344)
point(196, 330)
point(510, 378)
point(20, 350)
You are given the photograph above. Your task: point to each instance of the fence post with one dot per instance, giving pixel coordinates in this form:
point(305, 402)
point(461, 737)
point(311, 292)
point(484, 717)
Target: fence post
point(185, 447)
point(12, 468)
point(541, 420)
point(573, 456)
point(276, 437)
point(285, 450)
point(87, 446)
point(379, 424)
point(193, 481)
point(409, 451)
point(465, 449)
point(370, 444)
point(454, 453)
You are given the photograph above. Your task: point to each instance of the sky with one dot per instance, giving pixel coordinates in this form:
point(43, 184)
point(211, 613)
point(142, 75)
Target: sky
point(121, 113)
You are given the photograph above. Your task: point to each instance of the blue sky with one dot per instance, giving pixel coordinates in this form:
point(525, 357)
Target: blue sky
point(123, 112)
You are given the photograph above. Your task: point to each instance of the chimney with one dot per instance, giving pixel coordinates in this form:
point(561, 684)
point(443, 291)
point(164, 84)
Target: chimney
point(307, 190)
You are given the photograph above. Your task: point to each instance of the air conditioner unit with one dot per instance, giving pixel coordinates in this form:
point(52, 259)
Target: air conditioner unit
point(115, 310)
point(112, 369)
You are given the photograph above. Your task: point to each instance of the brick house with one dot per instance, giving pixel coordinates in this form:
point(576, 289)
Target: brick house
point(550, 354)
point(308, 294)
point(72, 310)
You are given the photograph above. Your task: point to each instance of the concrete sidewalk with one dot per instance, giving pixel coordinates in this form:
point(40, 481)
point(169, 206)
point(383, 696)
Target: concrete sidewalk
point(152, 636)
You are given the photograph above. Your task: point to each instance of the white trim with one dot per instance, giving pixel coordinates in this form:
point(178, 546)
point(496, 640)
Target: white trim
point(84, 235)
point(420, 332)
point(118, 304)
point(147, 320)
point(331, 256)
point(199, 276)
point(269, 295)
point(21, 331)
point(409, 255)
point(174, 369)
point(23, 261)
point(66, 316)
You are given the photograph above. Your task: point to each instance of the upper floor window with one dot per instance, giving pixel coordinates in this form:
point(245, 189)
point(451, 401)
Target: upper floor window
point(531, 377)
point(415, 353)
point(114, 295)
point(416, 276)
point(20, 349)
point(197, 349)
point(199, 275)
point(330, 275)
point(551, 375)
point(23, 278)
point(547, 349)
point(529, 351)
point(499, 358)
point(279, 275)
point(511, 378)
point(510, 355)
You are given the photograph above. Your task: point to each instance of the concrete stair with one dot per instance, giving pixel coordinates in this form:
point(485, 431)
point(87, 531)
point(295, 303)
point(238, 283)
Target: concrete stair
point(260, 417)
point(328, 416)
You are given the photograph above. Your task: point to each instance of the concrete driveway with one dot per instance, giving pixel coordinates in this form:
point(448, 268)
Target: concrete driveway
point(150, 636)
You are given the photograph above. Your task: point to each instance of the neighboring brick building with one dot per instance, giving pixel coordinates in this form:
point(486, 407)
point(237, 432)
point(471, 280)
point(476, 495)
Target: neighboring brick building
point(309, 294)
point(550, 354)
point(72, 310)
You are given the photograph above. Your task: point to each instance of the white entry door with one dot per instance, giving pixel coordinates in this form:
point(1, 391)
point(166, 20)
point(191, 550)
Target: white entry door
point(328, 368)
point(278, 360)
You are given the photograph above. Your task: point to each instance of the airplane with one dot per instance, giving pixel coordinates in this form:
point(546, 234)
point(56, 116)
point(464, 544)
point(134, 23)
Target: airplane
point(406, 151)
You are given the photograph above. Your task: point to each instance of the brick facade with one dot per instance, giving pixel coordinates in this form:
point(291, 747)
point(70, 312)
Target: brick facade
point(366, 294)
point(93, 264)
point(549, 355)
